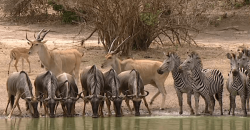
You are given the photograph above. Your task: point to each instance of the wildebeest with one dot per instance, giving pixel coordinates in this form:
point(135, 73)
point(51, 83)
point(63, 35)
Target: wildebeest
point(112, 86)
point(46, 86)
point(92, 81)
point(19, 86)
point(68, 91)
point(132, 86)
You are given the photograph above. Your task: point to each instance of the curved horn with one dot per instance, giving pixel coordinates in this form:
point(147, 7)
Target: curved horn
point(38, 35)
point(112, 44)
point(122, 97)
point(29, 98)
point(144, 95)
point(46, 99)
point(27, 38)
point(58, 99)
point(44, 35)
point(120, 45)
point(87, 97)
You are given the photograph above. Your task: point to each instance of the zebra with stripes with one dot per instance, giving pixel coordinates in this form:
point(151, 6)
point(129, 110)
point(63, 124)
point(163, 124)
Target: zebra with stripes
point(182, 81)
point(206, 82)
point(244, 62)
point(236, 84)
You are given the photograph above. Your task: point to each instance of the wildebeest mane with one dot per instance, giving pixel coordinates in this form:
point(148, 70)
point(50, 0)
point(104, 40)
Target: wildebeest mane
point(113, 79)
point(94, 80)
point(27, 79)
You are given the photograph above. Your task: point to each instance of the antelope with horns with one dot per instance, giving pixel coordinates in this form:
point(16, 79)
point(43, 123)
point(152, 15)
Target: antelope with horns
point(16, 54)
point(19, 86)
point(56, 61)
point(146, 68)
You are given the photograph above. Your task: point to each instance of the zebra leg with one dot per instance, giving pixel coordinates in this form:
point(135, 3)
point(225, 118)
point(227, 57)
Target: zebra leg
point(219, 98)
point(230, 99)
point(212, 104)
point(179, 95)
point(232, 102)
point(189, 103)
point(243, 104)
point(196, 96)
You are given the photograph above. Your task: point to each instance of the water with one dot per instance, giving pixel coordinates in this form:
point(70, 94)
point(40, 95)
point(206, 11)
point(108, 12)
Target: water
point(127, 123)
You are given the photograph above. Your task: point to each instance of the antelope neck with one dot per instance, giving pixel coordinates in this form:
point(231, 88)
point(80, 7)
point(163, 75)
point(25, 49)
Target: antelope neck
point(45, 56)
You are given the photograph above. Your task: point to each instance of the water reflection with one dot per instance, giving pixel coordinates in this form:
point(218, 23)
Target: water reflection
point(137, 123)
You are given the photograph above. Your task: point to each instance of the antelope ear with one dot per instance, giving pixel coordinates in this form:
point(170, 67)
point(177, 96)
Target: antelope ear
point(29, 43)
point(118, 54)
point(43, 41)
point(229, 56)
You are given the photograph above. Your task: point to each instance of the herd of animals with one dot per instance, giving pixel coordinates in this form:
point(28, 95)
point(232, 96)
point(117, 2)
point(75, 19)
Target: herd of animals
point(124, 81)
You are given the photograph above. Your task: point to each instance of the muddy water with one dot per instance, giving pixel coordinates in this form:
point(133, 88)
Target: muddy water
point(127, 123)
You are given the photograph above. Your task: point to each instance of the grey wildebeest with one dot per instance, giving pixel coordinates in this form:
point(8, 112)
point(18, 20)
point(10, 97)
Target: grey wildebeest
point(19, 86)
point(146, 68)
point(236, 83)
point(92, 81)
point(46, 86)
point(132, 86)
point(206, 82)
point(16, 54)
point(182, 81)
point(56, 61)
point(68, 91)
point(112, 90)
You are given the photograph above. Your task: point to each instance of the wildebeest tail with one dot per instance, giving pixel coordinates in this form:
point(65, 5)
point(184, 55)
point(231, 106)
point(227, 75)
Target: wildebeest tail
point(12, 99)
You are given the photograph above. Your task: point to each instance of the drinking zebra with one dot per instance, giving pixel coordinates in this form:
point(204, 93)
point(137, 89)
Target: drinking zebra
point(236, 84)
point(182, 81)
point(206, 83)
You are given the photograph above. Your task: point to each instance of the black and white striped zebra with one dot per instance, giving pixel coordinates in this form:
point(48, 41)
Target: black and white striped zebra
point(206, 83)
point(244, 62)
point(236, 84)
point(182, 81)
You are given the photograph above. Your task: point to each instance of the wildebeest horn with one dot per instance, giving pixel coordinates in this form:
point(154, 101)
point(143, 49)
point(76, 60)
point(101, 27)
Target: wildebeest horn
point(29, 98)
point(47, 99)
point(79, 96)
point(88, 97)
point(27, 38)
point(58, 99)
point(144, 95)
point(122, 97)
point(101, 97)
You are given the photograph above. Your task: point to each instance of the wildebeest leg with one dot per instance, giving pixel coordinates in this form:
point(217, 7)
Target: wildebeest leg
point(16, 102)
point(5, 112)
point(189, 103)
point(146, 104)
point(179, 95)
point(101, 109)
point(127, 102)
point(84, 106)
point(108, 103)
point(45, 109)
point(64, 109)
point(73, 111)
point(20, 112)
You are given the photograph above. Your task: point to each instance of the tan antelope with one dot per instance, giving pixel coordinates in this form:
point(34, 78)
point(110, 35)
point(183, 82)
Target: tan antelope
point(16, 54)
point(146, 68)
point(57, 61)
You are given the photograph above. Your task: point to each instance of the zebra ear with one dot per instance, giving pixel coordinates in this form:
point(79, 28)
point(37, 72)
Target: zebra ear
point(229, 56)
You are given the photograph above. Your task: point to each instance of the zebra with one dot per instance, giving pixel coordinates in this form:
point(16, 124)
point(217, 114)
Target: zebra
point(182, 81)
point(244, 62)
point(206, 82)
point(236, 84)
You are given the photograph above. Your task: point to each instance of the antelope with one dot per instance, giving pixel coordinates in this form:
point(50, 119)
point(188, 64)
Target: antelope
point(68, 91)
point(132, 86)
point(92, 81)
point(56, 61)
point(146, 68)
point(19, 86)
point(16, 54)
point(45, 87)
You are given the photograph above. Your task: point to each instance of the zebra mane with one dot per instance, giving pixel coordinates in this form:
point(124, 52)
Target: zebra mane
point(176, 58)
point(195, 55)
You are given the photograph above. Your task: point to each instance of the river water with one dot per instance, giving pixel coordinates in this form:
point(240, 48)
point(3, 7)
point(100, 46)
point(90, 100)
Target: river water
point(128, 123)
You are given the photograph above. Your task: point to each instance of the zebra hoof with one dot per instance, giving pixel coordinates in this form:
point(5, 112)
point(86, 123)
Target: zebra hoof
point(180, 112)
